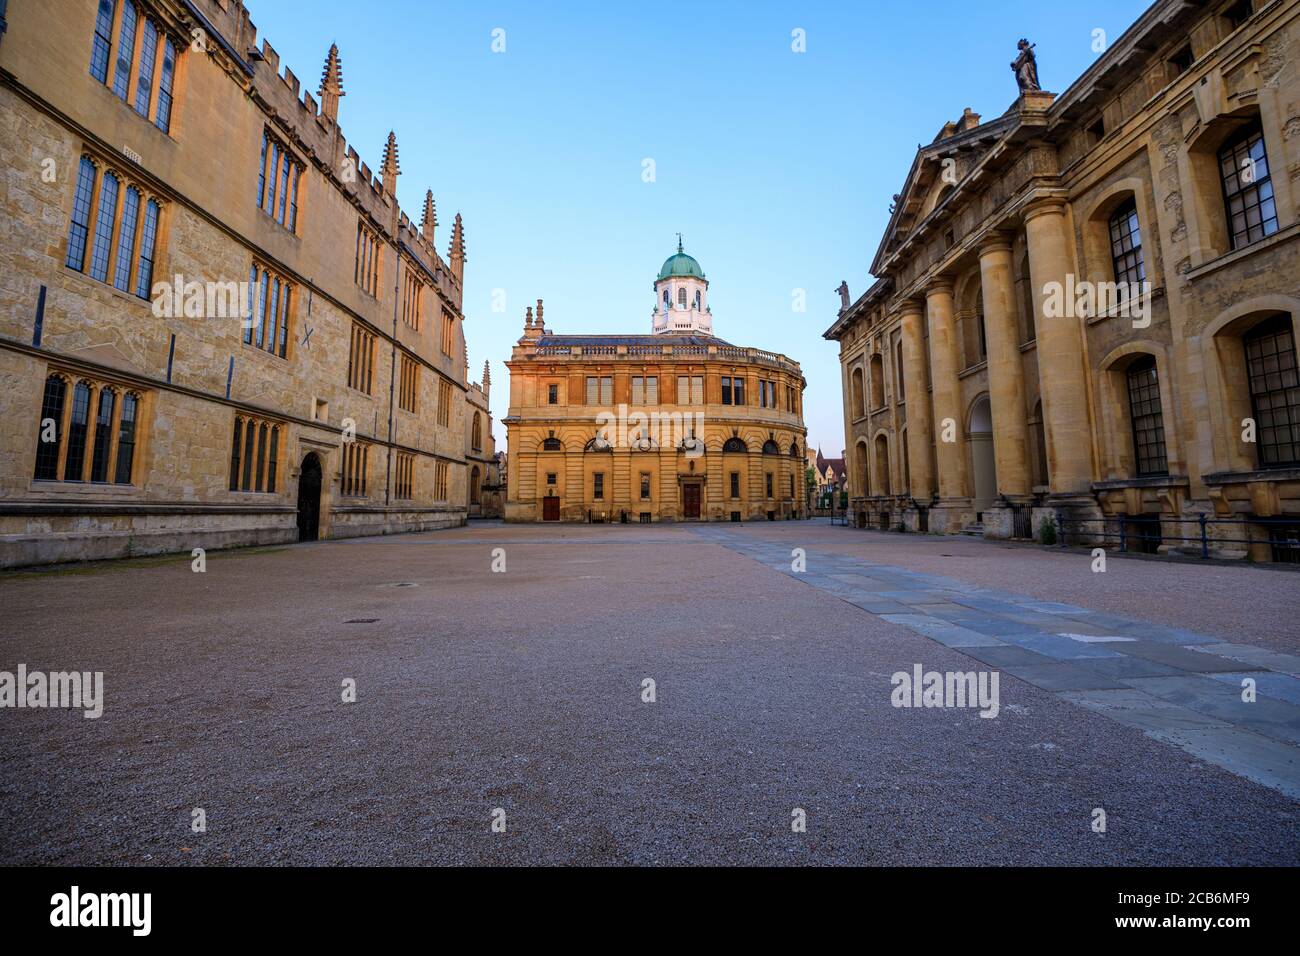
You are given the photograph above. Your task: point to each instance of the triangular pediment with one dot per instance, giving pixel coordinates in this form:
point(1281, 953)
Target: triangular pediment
point(937, 170)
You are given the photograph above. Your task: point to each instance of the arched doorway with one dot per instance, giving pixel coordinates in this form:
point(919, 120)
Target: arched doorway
point(475, 480)
point(982, 463)
point(309, 481)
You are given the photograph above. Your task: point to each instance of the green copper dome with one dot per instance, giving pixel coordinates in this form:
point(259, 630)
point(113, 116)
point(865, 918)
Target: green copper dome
point(680, 264)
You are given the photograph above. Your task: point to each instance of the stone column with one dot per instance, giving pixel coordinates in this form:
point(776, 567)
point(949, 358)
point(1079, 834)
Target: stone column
point(1006, 373)
point(920, 432)
point(1061, 374)
point(945, 363)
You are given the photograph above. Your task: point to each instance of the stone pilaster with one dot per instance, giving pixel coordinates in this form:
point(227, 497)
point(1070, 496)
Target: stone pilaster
point(1006, 373)
point(1062, 378)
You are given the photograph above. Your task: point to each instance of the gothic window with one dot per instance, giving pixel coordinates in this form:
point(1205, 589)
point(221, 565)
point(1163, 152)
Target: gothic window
point(110, 262)
point(356, 470)
point(361, 356)
point(137, 77)
point(49, 430)
point(102, 42)
point(255, 453)
point(101, 418)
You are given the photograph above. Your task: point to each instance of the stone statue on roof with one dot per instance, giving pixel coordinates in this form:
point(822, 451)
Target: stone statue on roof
point(1025, 67)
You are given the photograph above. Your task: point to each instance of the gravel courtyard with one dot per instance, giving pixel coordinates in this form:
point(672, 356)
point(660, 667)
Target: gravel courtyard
point(522, 690)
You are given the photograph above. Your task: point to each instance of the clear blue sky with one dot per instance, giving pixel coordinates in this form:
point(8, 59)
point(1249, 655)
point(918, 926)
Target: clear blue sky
point(777, 167)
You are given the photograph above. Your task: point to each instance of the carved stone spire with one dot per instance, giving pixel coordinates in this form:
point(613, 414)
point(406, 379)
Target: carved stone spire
point(429, 221)
point(331, 85)
point(458, 249)
point(391, 168)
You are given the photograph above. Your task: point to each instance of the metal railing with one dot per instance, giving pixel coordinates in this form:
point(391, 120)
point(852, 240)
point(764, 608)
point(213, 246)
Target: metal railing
point(1146, 533)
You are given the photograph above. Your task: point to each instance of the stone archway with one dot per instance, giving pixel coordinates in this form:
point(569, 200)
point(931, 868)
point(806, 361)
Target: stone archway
point(309, 486)
point(983, 464)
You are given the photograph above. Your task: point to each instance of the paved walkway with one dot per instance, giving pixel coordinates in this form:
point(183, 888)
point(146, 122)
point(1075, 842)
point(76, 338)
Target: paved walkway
point(1176, 685)
point(523, 690)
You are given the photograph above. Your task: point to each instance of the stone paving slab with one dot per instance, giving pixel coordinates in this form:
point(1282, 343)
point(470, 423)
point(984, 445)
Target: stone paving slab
point(1268, 685)
point(1254, 757)
point(1175, 684)
point(1122, 666)
point(1180, 657)
point(1058, 647)
point(1270, 718)
point(1062, 675)
point(1147, 713)
point(1282, 663)
point(1007, 655)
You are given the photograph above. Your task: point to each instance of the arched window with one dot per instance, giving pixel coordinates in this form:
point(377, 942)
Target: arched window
point(1147, 417)
point(681, 297)
point(882, 481)
point(877, 381)
point(103, 434)
point(1247, 187)
point(476, 432)
point(862, 471)
point(77, 424)
point(794, 449)
point(1126, 245)
point(1039, 436)
point(667, 301)
point(552, 444)
point(49, 430)
point(697, 300)
point(735, 444)
point(1274, 391)
point(859, 397)
point(771, 448)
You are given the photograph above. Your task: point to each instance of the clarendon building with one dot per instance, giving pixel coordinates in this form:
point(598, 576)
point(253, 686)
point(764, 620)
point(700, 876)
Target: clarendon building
point(217, 327)
point(1084, 310)
point(677, 425)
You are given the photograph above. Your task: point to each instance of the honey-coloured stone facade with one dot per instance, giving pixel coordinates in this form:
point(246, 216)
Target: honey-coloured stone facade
point(196, 130)
point(621, 452)
point(990, 385)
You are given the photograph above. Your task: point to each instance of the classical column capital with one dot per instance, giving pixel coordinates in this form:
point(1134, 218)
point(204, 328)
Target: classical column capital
point(996, 241)
point(1043, 206)
point(940, 285)
point(910, 307)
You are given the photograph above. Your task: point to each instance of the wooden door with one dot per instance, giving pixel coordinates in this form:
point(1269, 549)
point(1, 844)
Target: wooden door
point(691, 500)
